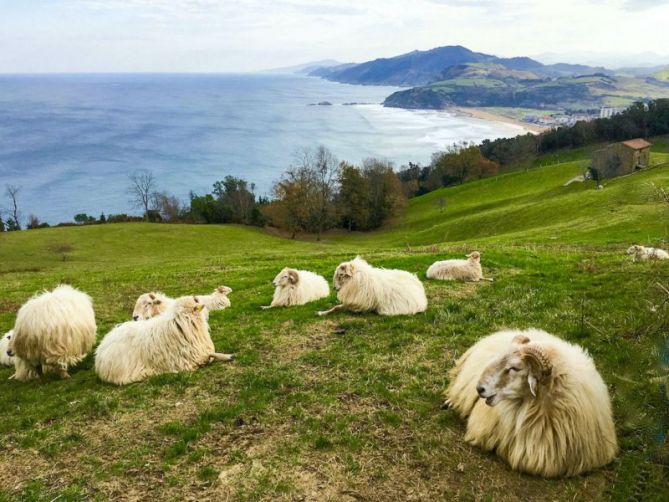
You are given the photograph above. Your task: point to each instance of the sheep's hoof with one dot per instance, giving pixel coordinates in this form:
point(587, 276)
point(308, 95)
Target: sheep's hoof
point(321, 313)
point(222, 357)
point(446, 404)
point(64, 375)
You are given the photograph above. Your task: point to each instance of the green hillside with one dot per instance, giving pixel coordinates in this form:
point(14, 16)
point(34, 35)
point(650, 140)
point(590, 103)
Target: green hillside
point(345, 407)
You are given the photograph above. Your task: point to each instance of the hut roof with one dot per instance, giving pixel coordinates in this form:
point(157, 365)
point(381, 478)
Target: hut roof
point(637, 144)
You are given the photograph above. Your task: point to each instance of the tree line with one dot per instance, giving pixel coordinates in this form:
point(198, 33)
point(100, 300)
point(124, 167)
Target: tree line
point(641, 120)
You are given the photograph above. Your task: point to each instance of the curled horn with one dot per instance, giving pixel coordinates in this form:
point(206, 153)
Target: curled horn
point(538, 357)
point(293, 276)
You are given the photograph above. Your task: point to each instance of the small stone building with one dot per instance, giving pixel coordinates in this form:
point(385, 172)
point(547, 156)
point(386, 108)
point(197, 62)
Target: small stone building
point(620, 158)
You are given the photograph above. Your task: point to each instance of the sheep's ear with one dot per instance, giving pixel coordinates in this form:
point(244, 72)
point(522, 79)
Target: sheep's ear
point(293, 276)
point(152, 296)
point(224, 290)
point(520, 340)
point(532, 382)
point(156, 301)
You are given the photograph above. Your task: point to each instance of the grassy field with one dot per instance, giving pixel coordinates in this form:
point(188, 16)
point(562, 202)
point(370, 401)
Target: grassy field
point(346, 407)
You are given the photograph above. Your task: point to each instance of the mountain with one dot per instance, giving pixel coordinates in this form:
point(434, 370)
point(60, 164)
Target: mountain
point(413, 68)
point(305, 68)
point(422, 67)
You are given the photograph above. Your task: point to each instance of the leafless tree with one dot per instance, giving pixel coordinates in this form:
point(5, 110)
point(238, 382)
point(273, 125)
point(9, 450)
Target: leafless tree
point(12, 192)
point(142, 186)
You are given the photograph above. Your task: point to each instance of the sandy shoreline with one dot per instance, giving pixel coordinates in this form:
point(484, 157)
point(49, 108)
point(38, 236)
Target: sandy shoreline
point(485, 114)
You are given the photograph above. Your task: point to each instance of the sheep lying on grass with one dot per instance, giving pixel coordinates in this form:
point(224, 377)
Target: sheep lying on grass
point(177, 340)
point(543, 406)
point(297, 287)
point(642, 253)
point(6, 359)
point(463, 270)
point(53, 331)
point(363, 288)
point(152, 304)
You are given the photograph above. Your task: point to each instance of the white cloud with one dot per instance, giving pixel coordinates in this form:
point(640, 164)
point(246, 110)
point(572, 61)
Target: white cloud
point(209, 35)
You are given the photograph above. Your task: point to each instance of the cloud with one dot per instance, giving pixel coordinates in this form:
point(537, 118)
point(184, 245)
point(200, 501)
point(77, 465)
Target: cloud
point(632, 5)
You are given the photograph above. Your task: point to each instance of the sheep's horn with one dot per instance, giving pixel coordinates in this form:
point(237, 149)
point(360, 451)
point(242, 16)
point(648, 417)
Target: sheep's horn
point(538, 356)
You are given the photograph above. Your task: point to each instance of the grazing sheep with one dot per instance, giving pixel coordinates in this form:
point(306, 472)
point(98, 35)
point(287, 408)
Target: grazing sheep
point(6, 359)
point(177, 340)
point(463, 270)
point(543, 406)
point(642, 253)
point(363, 288)
point(53, 330)
point(152, 304)
point(297, 287)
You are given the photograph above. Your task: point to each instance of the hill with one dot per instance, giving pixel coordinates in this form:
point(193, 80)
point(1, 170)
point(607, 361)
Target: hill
point(422, 67)
point(493, 85)
point(346, 407)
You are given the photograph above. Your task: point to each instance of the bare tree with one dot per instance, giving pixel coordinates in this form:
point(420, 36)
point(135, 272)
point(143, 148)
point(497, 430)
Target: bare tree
point(12, 192)
point(142, 186)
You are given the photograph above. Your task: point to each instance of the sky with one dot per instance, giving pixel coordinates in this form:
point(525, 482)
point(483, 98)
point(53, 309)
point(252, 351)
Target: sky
point(250, 35)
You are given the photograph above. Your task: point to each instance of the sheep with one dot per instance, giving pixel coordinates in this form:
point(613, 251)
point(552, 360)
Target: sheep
point(177, 340)
point(464, 270)
point(152, 304)
point(363, 288)
point(536, 400)
point(6, 359)
point(642, 253)
point(53, 331)
point(297, 287)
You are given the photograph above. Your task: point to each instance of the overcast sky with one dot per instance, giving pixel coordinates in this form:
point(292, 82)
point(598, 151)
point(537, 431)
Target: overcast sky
point(247, 35)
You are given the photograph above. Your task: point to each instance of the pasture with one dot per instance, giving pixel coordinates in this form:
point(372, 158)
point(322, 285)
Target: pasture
point(346, 407)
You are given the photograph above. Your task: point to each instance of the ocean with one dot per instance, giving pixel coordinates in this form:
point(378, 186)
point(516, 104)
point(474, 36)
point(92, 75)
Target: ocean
point(70, 142)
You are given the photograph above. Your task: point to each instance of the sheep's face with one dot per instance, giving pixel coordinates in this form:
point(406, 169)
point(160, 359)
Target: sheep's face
point(10, 343)
point(286, 278)
point(516, 374)
point(219, 298)
point(474, 256)
point(343, 274)
point(188, 305)
point(147, 306)
point(633, 250)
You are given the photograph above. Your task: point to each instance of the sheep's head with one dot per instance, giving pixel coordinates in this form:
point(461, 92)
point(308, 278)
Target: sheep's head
point(187, 305)
point(287, 277)
point(516, 374)
point(10, 345)
point(343, 273)
point(474, 256)
point(218, 300)
point(149, 305)
point(634, 250)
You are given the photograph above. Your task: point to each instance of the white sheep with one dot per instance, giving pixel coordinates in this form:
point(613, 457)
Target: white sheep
point(177, 340)
point(6, 359)
point(363, 288)
point(642, 253)
point(53, 331)
point(537, 401)
point(297, 287)
point(463, 270)
point(152, 304)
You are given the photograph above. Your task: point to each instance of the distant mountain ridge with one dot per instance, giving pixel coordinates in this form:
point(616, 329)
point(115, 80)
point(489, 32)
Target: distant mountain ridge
point(423, 67)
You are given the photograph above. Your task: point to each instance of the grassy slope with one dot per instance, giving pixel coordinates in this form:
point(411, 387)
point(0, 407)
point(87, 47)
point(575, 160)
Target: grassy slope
point(344, 407)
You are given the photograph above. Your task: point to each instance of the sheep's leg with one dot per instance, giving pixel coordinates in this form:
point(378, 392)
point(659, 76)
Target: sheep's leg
point(219, 356)
point(333, 309)
point(489, 279)
point(265, 307)
point(446, 404)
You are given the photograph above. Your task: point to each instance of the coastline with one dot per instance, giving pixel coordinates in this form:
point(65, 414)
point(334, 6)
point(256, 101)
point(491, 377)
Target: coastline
point(486, 114)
